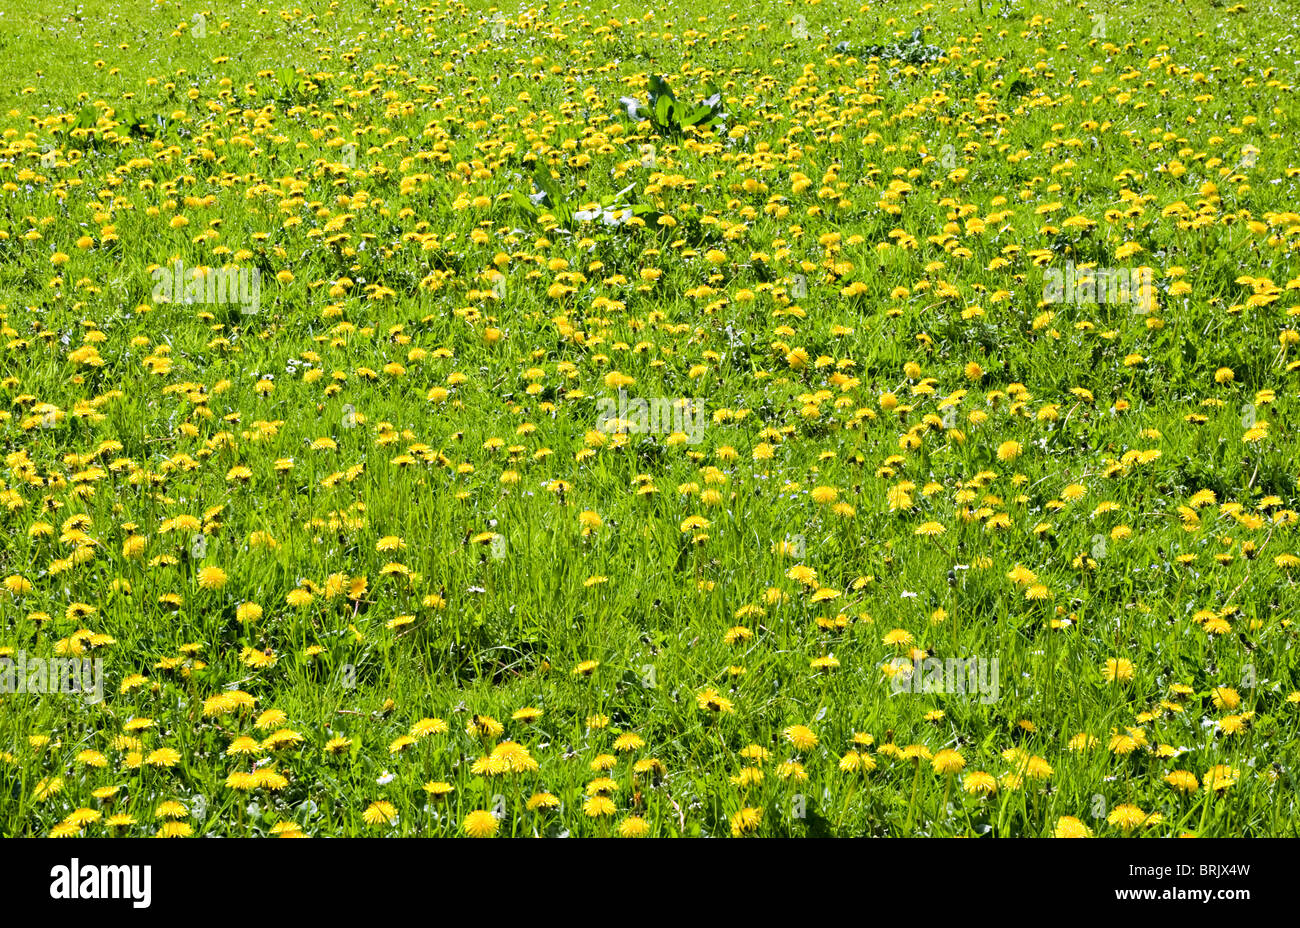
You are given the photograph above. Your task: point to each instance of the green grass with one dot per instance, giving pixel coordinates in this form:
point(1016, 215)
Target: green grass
point(380, 184)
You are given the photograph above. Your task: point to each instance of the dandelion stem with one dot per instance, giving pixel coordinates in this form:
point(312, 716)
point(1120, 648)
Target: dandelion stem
point(916, 782)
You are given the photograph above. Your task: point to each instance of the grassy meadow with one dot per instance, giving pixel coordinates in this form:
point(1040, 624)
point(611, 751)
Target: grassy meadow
point(690, 419)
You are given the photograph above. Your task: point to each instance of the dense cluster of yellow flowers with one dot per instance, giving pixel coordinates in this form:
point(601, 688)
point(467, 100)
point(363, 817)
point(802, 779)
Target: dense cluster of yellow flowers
point(301, 379)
